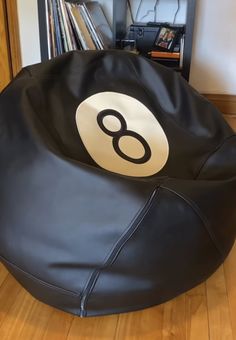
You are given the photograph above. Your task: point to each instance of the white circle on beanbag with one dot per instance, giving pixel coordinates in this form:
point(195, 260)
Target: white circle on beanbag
point(120, 142)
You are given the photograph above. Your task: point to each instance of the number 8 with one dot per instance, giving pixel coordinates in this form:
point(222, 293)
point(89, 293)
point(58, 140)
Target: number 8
point(117, 135)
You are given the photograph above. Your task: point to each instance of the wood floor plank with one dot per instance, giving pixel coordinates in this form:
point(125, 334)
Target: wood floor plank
point(220, 327)
point(14, 322)
point(230, 278)
point(25, 318)
point(225, 103)
point(22, 317)
point(174, 319)
point(145, 324)
point(8, 293)
point(35, 322)
point(103, 328)
point(231, 119)
point(196, 313)
point(58, 326)
point(3, 273)
point(186, 317)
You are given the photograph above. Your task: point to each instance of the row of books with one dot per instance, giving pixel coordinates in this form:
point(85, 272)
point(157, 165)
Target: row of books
point(72, 26)
point(83, 26)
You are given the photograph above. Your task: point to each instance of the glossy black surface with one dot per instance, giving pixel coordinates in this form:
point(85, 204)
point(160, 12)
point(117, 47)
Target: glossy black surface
point(93, 242)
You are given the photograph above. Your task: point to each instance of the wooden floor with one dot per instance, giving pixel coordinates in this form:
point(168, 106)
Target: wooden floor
point(206, 312)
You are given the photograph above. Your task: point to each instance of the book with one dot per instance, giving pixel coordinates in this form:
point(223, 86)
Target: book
point(65, 47)
point(91, 27)
point(53, 51)
point(73, 25)
point(182, 51)
point(71, 42)
point(100, 22)
point(165, 55)
point(76, 29)
point(58, 37)
point(48, 29)
point(83, 27)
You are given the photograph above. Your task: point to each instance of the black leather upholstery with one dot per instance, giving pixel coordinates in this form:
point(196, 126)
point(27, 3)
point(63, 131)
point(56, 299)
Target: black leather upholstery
point(91, 240)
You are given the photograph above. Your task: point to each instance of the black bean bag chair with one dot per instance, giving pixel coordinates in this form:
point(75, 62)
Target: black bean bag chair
point(118, 183)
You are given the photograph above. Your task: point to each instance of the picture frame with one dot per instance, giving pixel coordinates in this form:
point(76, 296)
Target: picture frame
point(166, 38)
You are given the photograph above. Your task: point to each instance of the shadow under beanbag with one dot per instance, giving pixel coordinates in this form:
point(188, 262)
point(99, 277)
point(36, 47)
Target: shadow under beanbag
point(118, 183)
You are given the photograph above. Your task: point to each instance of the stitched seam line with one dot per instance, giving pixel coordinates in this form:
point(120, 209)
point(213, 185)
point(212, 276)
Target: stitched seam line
point(141, 217)
point(142, 305)
point(34, 278)
point(123, 240)
point(202, 217)
point(219, 146)
point(110, 259)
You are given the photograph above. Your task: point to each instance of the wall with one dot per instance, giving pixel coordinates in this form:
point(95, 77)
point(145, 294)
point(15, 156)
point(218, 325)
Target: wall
point(214, 52)
point(29, 36)
point(165, 10)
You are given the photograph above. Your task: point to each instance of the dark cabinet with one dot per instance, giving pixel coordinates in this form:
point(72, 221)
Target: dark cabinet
point(120, 29)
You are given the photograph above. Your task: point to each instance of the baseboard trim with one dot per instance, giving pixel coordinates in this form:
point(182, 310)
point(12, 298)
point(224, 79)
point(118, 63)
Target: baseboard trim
point(231, 120)
point(225, 103)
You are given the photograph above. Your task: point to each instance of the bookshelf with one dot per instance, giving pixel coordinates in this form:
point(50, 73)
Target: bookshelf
point(120, 29)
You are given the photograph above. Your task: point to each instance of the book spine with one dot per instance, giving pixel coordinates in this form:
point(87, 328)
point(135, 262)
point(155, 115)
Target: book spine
point(91, 27)
point(165, 55)
point(84, 30)
point(48, 29)
point(77, 30)
point(69, 29)
point(52, 30)
point(62, 28)
point(57, 29)
point(95, 32)
point(181, 62)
